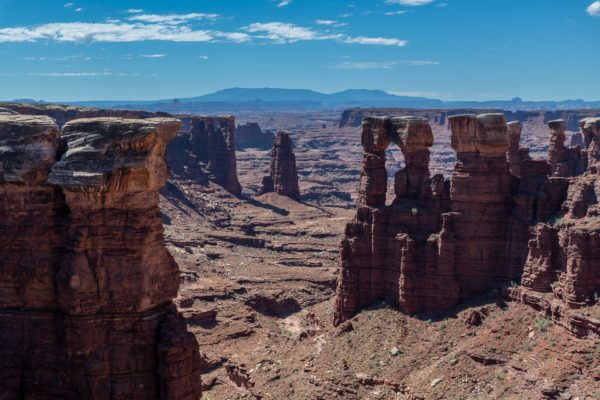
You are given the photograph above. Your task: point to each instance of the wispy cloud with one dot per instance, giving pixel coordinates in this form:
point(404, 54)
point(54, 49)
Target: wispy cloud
point(79, 9)
point(282, 32)
point(325, 22)
point(181, 28)
point(365, 65)
point(68, 5)
point(399, 12)
point(423, 62)
point(135, 10)
point(172, 18)
point(376, 41)
point(60, 58)
point(411, 3)
point(284, 3)
point(330, 22)
point(594, 9)
point(86, 74)
point(153, 55)
point(115, 31)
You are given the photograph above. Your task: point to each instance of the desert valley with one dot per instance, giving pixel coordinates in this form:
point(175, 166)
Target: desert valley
point(467, 262)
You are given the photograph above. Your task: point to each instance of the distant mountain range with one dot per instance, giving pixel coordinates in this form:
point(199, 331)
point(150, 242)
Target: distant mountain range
point(249, 99)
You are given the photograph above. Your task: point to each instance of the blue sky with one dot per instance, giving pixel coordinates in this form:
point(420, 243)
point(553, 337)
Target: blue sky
point(448, 49)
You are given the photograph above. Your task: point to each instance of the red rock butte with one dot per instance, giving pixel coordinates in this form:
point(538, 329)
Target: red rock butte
point(501, 217)
point(86, 307)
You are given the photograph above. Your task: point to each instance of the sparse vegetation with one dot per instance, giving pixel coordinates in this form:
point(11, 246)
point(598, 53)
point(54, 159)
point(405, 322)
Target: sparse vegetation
point(542, 324)
point(574, 377)
point(286, 333)
point(344, 364)
point(501, 375)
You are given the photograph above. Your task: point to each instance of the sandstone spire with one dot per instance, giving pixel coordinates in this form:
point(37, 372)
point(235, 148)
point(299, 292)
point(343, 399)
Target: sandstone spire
point(283, 175)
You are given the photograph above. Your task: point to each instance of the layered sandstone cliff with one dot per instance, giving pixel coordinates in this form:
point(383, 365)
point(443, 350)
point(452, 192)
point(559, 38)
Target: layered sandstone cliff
point(563, 256)
point(283, 175)
point(501, 217)
point(64, 114)
point(250, 135)
point(87, 284)
point(204, 150)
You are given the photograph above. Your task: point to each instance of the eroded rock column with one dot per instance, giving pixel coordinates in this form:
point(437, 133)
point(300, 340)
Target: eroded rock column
point(205, 151)
point(557, 149)
point(283, 175)
point(388, 253)
point(480, 193)
point(373, 177)
point(514, 139)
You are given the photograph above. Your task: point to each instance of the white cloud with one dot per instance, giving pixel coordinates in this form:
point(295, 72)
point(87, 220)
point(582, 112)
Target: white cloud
point(135, 10)
point(325, 22)
point(79, 9)
point(68, 5)
point(173, 28)
point(282, 32)
point(284, 3)
point(59, 58)
point(423, 62)
point(172, 18)
point(85, 74)
point(116, 31)
point(236, 37)
point(365, 65)
point(396, 12)
point(594, 9)
point(202, 57)
point(411, 3)
point(376, 41)
point(153, 55)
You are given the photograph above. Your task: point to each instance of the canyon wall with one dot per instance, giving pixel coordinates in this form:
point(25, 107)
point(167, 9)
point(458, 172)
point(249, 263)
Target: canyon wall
point(441, 242)
point(204, 150)
point(283, 175)
point(564, 256)
point(250, 135)
point(87, 284)
point(353, 117)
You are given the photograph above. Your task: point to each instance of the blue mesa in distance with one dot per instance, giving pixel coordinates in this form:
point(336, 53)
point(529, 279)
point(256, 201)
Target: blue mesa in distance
point(448, 49)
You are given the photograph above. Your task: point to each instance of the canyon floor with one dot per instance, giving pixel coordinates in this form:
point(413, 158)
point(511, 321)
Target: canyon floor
point(258, 278)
